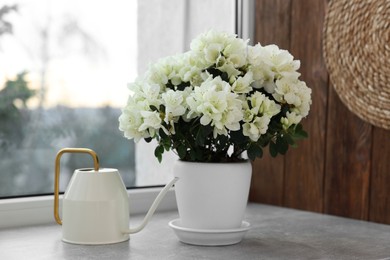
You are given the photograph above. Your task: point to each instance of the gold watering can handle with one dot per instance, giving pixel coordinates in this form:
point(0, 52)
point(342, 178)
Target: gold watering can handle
point(57, 174)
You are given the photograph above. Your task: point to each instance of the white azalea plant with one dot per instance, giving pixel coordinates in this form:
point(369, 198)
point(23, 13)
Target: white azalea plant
point(218, 101)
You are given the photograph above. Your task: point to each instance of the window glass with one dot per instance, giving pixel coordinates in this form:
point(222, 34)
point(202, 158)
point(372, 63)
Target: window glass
point(64, 67)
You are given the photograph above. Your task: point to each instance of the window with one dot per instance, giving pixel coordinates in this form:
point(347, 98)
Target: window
point(63, 72)
point(64, 67)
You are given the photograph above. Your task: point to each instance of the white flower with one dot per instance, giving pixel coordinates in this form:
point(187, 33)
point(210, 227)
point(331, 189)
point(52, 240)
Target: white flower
point(157, 73)
point(212, 52)
point(242, 84)
point(235, 52)
point(173, 101)
point(220, 49)
point(262, 105)
point(130, 121)
point(258, 114)
point(191, 74)
point(229, 69)
point(295, 93)
point(174, 69)
point(151, 121)
point(304, 93)
point(151, 93)
point(257, 128)
point(290, 119)
point(280, 61)
point(269, 108)
point(256, 100)
point(269, 63)
point(207, 47)
point(215, 104)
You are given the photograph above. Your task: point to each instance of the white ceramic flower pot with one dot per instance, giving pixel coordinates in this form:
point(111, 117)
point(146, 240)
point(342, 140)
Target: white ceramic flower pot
point(212, 195)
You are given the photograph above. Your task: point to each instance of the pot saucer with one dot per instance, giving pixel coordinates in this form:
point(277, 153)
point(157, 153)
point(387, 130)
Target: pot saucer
point(209, 237)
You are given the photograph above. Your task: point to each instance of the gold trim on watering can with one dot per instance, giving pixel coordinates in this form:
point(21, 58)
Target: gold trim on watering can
point(57, 174)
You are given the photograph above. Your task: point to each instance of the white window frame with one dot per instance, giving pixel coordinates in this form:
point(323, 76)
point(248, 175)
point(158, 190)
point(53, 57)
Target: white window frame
point(39, 209)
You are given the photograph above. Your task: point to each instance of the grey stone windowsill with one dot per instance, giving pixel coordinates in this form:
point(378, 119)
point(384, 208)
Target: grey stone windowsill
point(276, 233)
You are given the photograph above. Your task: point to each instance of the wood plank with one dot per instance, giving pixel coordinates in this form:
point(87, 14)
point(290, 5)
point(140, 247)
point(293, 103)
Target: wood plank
point(272, 27)
point(267, 180)
point(273, 22)
point(380, 177)
point(347, 162)
point(305, 165)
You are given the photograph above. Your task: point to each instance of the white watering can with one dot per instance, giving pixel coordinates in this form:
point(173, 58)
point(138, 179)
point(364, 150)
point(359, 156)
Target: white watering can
point(95, 206)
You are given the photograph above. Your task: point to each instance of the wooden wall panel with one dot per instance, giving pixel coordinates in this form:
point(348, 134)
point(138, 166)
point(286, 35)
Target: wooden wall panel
point(344, 166)
point(379, 210)
point(272, 26)
point(267, 180)
point(273, 22)
point(347, 162)
point(305, 165)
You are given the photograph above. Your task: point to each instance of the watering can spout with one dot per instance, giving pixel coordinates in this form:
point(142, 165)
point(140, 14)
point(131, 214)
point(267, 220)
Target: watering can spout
point(152, 209)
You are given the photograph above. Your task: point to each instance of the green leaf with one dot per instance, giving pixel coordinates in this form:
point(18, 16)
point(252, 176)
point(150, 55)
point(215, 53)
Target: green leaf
point(214, 71)
point(302, 134)
point(167, 144)
point(153, 108)
point(199, 137)
point(289, 139)
point(285, 108)
point(238, 137)
point(183, 85)
point(273, 149)
point(263, 141)
point(299, 132)
point(196, 155)
point(202, 133)
point(207, 129)
point(158, 152)
point(225, 77)
point(170, 85)
point(148, 139)
point(162, 134)
point(182, 151)
point(254, 151)
point(192, 155)
point(282, 145)
point(222, 143)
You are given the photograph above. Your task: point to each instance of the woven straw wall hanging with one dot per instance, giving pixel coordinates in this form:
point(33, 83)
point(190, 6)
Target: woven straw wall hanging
point(356, 45)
